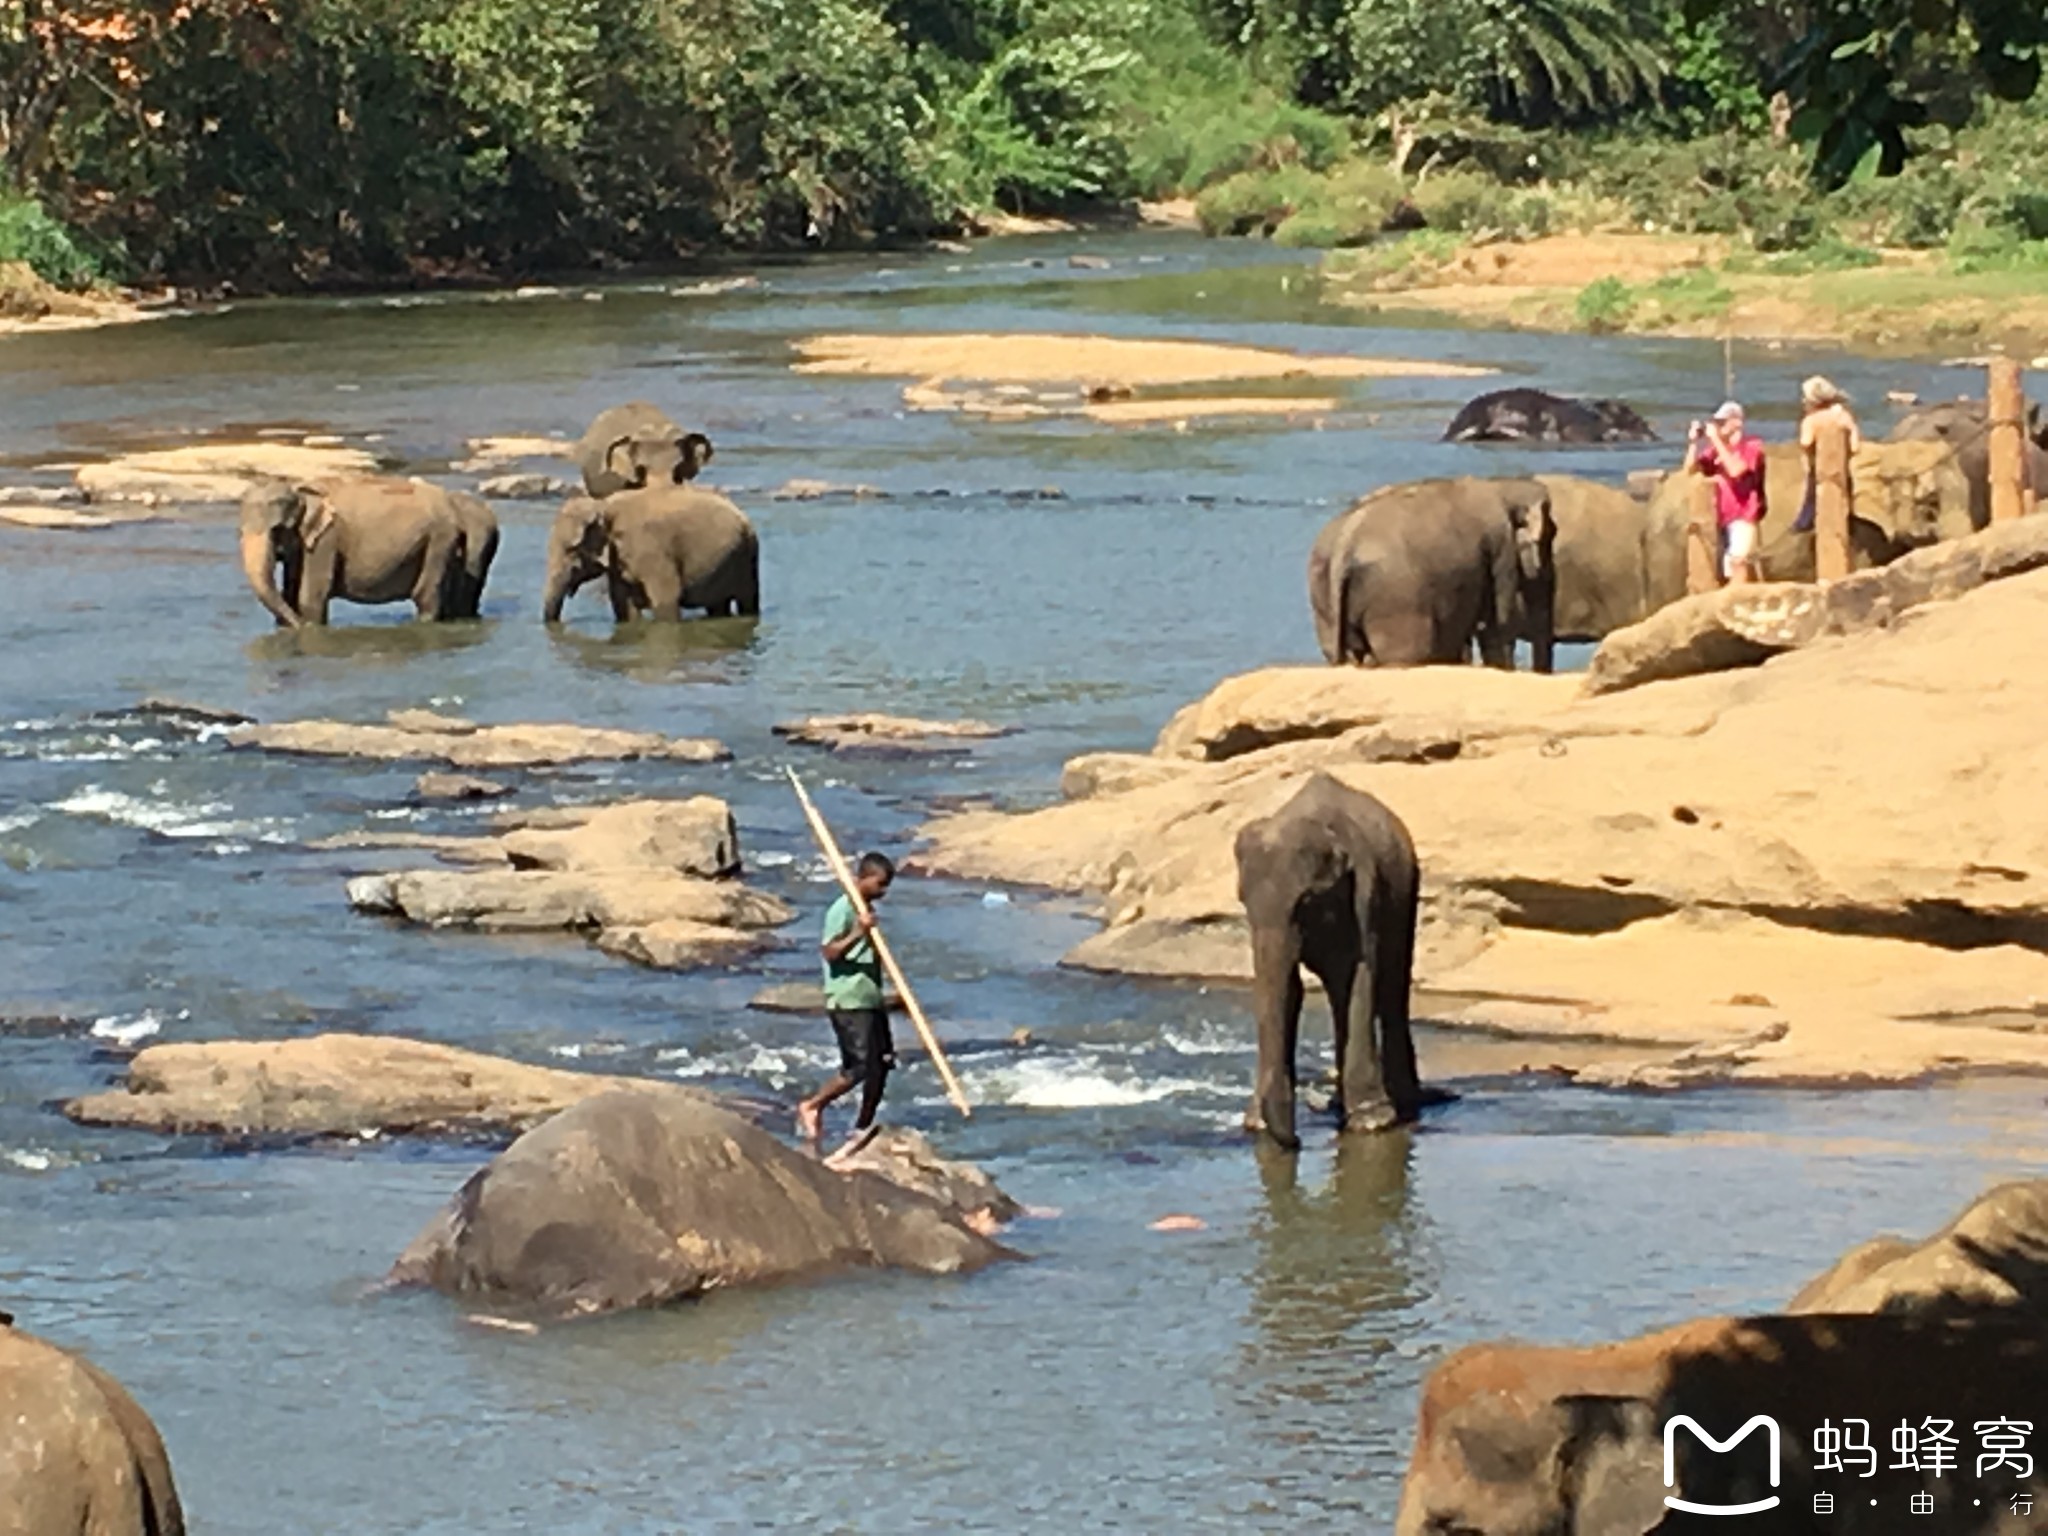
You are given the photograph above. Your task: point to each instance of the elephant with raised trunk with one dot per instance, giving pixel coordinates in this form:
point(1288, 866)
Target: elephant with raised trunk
point(367, 539)
point(1415, 573)
point(660, 550)
point(1537, 416)
point(1330, 881)
point(634, 446)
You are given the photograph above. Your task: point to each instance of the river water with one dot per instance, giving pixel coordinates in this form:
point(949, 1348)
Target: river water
point(1258, 1374)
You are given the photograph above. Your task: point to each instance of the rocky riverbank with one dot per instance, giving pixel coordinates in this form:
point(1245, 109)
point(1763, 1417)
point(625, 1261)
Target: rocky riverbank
point(1826, 868)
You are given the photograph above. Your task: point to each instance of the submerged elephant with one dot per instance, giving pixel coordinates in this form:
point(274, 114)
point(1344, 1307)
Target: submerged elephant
point(1330, 881)
point(641, 1198)
point(636, 445)
point(1537, 416)
point(1414, 573)
point(367, 539)
point(660, 550)
point(1963, 426)
point(78, 1456)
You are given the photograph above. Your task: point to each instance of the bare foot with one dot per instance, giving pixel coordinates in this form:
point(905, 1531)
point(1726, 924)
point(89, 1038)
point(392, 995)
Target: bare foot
point(852, 1145)
point(810, 1125)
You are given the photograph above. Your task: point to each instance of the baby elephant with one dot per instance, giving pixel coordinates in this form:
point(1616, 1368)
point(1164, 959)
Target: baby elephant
point(660, 549)
point(1329, 881)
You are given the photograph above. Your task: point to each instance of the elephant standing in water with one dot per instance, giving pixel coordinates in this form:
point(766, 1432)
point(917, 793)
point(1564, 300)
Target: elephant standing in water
point(1414, 573)
point(660, 550)
point(369, 539)
point(1329, 881)
point(633, 446)
point(78, 1456)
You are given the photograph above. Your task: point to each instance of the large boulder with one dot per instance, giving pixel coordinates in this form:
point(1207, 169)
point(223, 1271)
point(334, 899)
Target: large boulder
point(216, 472)
point(1741, 626)
point(338, 1085)
point(1992, 1258)
point(1718, 833)
point(630, 1200)
point(416, 736)
point(1521, 1440)
point(527, 901)
point(78, 1456)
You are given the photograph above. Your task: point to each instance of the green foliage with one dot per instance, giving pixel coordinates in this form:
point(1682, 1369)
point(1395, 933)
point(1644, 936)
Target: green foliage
point(1605, 305)
point(1477, 205)
point(1684, 298)
point(29, 234)
point(1829, 253)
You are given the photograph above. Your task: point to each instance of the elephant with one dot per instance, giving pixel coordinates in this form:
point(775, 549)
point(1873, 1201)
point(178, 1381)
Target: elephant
point(1537, 416)
point(78, 1456)
point(1414, 573)
point(633, 446)
point(1520, 1440)
point(1601, 557)
point(1330, 881)
point(463, 596)
point(1964, 427)
point(368, 539)
point(660, 550)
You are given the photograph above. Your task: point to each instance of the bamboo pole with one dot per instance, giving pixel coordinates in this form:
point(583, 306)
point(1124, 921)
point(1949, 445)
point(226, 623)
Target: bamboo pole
point(829, 846)
point(2006, 404)
point(1831, 501)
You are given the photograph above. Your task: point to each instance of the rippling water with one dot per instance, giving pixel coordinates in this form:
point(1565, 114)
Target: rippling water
point(1257, 1374)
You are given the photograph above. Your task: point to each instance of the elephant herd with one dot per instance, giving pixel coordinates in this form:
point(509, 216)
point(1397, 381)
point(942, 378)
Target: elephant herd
point(1424, 572)
point(660, 544)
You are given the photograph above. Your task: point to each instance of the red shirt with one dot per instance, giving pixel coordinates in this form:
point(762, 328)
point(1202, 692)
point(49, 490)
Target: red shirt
point(1738, 472)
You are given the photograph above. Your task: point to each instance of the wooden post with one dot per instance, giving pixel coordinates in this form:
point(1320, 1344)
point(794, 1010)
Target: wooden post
point(1702, 536)
point(829, 846)
point(2007, 402)
point(1831, 501)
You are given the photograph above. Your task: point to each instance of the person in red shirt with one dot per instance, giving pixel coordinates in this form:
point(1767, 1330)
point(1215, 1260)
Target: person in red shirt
point(1722, 449)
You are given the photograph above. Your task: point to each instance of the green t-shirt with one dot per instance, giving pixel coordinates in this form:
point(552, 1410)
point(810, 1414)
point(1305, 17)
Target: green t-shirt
point(854, 980)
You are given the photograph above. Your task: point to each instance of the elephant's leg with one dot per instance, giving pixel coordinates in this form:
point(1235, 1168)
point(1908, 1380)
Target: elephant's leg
point(665, 594)
point(1393, 985)
point(621, 594)
point(1338, 974)
point(1276, 984)
point(316, 582)
point(1497, 648)
point(1361, 1071)
point(431, 588)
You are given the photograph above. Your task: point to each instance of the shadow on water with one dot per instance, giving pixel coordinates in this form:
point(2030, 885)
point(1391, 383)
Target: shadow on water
point(391, 644)
point(650, 652)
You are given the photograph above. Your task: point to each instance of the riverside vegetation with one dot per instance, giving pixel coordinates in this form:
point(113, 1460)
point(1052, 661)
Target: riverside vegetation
point(280, 144)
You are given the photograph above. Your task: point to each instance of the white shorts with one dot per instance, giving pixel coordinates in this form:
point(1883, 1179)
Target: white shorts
point(1738, 542)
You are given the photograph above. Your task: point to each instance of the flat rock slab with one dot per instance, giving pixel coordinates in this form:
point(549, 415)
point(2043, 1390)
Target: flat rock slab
point(680, 944)
point(637, 1200)
point(1032, 358)
point(458, 787)
point(888, 733)
point(528, 901)
point(526, 488)
point(60, 517)
point(214, 472)
point(339, 1085)
point(489, 746)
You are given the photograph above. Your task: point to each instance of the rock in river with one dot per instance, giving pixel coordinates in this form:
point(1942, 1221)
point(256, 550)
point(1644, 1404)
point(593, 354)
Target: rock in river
point(463, 745)
point(1992, 1258)
point(78, 1456)
point(214, 472)
point(634, 1200)
point(338, 1085)
point(1850, 831)
point(651, 880)
point(888, 733)
point(436, 785)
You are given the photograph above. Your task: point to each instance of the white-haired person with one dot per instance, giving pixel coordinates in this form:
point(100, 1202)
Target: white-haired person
point(1722, 449)
point(1822, 405)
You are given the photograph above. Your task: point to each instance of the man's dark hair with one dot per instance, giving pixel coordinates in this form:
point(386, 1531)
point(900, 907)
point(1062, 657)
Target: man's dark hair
point(877, 864)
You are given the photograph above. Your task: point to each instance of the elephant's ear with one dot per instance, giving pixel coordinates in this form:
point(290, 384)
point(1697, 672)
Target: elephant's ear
point(693, 453)
point(318, 521)
point(626, 468)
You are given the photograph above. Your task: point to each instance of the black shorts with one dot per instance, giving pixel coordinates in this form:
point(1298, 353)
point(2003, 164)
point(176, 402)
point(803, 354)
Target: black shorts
point(863, 1037)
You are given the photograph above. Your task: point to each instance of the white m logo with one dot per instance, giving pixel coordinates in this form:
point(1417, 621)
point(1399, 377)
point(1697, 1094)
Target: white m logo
point(1770, 1426)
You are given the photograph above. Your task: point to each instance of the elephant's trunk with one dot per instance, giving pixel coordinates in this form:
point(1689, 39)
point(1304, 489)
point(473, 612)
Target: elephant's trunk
point(560, 575)
point(259, 564)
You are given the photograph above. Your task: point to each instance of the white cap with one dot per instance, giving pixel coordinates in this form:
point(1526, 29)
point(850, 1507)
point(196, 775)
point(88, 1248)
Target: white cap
point(1727, 409)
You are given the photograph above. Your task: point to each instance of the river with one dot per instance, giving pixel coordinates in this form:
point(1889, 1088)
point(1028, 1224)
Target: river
point(1075, 582)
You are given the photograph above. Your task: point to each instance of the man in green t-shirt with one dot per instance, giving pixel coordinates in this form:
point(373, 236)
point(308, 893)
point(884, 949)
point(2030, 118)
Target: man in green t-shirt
point(853, 1000)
